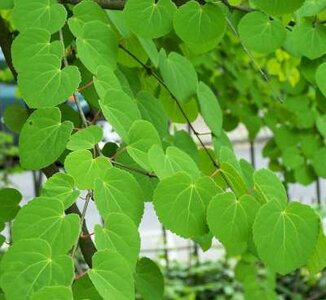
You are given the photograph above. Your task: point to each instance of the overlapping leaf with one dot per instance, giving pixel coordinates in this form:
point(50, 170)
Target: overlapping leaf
point(9, 204)
point(149, 280)
point(44, 218)
point(261, 34)
point(285, 237)
point(173, 161)
point(61, 187)
point(230, 219)
point(149, 18)
point(121, 234)
point(30, 265)
point(45, 14)
point(120, 110)
point(97, 46)
point(85, 169)
point(118, 192)
point(278, 7)
point(85, 138)
point(197, 24)
point(142, 136)
point(43, 138)
point(112, 276)
point(180, 203)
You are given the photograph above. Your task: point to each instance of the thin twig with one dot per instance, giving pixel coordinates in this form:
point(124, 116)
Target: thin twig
point(264, 75)
point(130, 168)
point(87, 85)
point(82, 220)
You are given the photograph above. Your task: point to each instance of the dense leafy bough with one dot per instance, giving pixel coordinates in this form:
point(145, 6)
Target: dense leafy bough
point(134, 63)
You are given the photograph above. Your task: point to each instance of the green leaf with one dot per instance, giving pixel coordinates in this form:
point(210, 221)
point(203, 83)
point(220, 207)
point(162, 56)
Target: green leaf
point(44, 14)
point(320, 78)
point(173, 161)
point(152, 110)
point(111, 276)
point(118, 191)
point(179, 75)
point(285, 236)
point(317, 261)
point(232, 172)
point(30, 265)
point(7, 4)
point(149, 18)
point(84, 12)
point(44, 218)
point(210, 108)
point(83, 289)
point(15, 116)
point(231, 219)
point(44, 84)
point(183, 140)
point(180, 203)
point(85, 138)
point(142, 136)
point(120, 234)
point(151, 50)
point(97, 46)
point(321, 125)
point(149, 280)
point(105, 80)
point(147, 183)
point(269, 187)
point(319, 162)
point(59, 292)
point(120, 110)
point(292, 157)
point(314, 37)
point(62, 187)
point(9, 204)
point(31, 43)
point(311, 8)
point(43, 138)
point(85, 169)
point(278, 7)
point(261, 34)
point(197, 24)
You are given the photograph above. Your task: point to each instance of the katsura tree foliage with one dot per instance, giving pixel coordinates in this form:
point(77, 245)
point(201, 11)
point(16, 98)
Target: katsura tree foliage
point(145, 65)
